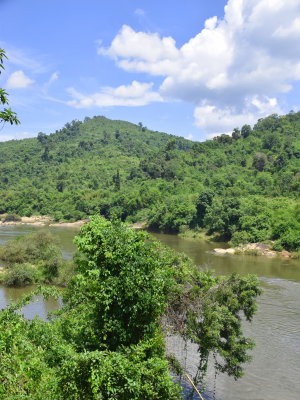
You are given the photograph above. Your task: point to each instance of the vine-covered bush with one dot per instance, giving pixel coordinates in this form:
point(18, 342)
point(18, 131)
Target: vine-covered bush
point(34, 258)
point(20, 275)
point(107, 341)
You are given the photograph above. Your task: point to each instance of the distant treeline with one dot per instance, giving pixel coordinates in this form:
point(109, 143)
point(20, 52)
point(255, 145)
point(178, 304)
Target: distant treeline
point(244, 187)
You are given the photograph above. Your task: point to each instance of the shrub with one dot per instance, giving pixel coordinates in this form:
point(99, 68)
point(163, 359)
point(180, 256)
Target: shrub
point(171, 215)
point(290, 240)
point(241, 237)
point(66, 271)
point(107, 341)
point(11, 218)
point(39, 249)
point(38, 246)
point(20, 275)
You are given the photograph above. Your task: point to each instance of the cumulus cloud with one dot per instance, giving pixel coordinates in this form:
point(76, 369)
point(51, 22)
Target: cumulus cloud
point(232, 70)
point(214, 120)
point(18, 80)
point(146, 47)
point(135, 94)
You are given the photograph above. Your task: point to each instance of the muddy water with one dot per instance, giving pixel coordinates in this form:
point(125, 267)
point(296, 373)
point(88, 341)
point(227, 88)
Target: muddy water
point(274, 372)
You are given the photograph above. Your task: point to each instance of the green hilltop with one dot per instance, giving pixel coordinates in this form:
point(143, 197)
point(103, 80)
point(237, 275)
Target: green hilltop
point(244, 187)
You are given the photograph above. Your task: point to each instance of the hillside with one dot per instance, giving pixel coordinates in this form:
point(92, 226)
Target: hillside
point(68, 174)
point(245, 187)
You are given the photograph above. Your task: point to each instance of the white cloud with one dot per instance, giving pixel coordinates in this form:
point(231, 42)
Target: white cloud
point(23, 59)
point(16, 136)
point(53, 77)
point(4, 138)
point(18, 80)
point(232, 70)
point(214, 120)
point(135, 94)
point(140, 46)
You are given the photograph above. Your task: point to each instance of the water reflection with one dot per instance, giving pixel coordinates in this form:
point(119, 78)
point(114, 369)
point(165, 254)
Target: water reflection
point(38, 307)
point(275, 369)
point(201, 253)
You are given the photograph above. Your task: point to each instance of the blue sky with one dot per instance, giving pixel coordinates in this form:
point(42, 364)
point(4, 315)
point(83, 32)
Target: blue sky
point(194, 68)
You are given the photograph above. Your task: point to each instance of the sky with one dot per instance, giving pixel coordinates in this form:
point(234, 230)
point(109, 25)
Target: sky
point(193, 68)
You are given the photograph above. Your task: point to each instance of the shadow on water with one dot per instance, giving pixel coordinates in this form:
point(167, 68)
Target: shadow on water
point(200, 251)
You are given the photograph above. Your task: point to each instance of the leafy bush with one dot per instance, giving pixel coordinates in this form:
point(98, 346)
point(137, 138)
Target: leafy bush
point(11, 218)
point(20, 275)
point(38, 246)
point(65, 271)
point(290, 240)
point(241, 237)
point(39, 249)
point(129, 374)
point(172, 214)
point(106, 342)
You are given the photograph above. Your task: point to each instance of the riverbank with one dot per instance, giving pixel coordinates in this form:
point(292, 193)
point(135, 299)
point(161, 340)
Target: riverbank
point(39, 220)
point(253, 249)
point(45, 220)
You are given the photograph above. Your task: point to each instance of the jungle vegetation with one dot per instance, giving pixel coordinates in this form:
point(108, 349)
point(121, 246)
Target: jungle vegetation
point(243, 187)
point(34, 258)
point(107, 340)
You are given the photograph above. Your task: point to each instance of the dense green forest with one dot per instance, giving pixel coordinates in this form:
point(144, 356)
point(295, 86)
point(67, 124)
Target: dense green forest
point(243, 187)
point(107, 340)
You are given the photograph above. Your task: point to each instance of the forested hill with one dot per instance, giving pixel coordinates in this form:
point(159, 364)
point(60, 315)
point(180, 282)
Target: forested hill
point(245, 186)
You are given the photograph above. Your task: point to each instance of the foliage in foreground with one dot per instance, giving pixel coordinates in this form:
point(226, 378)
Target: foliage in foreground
point(107, 340)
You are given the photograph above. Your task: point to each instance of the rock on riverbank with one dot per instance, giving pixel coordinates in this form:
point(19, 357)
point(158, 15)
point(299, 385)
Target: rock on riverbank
point(256, 249)
point(33, 220)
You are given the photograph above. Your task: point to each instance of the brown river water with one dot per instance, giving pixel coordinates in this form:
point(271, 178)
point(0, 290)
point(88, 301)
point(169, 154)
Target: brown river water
point(274, 372)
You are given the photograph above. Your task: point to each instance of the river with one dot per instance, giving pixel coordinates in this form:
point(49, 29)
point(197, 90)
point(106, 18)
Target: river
point(274, 372)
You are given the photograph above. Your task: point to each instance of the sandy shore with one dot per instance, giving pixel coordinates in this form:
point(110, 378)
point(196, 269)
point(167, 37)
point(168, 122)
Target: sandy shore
point(139, 225)
point(76, 224)
point(43, 220)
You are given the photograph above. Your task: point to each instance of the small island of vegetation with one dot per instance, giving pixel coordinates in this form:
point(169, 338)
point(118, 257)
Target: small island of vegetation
point(34, 258)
